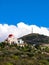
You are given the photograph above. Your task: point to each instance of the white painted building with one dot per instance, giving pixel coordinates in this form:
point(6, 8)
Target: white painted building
point(12, 40)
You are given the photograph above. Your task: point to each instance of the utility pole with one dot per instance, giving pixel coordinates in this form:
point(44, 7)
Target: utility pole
point(32, 30)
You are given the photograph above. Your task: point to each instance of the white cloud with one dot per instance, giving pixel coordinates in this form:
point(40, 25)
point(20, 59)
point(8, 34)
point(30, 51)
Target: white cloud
point(20, 29)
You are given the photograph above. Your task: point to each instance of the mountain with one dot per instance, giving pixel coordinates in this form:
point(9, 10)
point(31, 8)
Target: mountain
point(34, 38)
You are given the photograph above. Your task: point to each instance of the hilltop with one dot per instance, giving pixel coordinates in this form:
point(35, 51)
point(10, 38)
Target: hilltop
point(34, 38)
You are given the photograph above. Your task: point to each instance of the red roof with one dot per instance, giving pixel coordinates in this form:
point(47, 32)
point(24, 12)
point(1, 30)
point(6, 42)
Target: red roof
point(10, 35)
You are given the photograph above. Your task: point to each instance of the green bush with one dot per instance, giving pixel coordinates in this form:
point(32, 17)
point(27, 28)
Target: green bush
point(8, 63)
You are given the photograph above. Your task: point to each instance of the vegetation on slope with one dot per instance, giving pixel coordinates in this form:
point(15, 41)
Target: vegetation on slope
point(27, 55)
point(35, 38)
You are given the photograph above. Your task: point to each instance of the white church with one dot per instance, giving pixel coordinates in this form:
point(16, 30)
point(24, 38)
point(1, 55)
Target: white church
point(12, 40)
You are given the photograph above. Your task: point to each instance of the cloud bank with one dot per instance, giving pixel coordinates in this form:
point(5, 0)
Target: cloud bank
point(20, 30)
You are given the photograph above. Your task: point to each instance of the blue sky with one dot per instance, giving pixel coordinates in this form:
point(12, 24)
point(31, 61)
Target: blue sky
point(27, 11)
